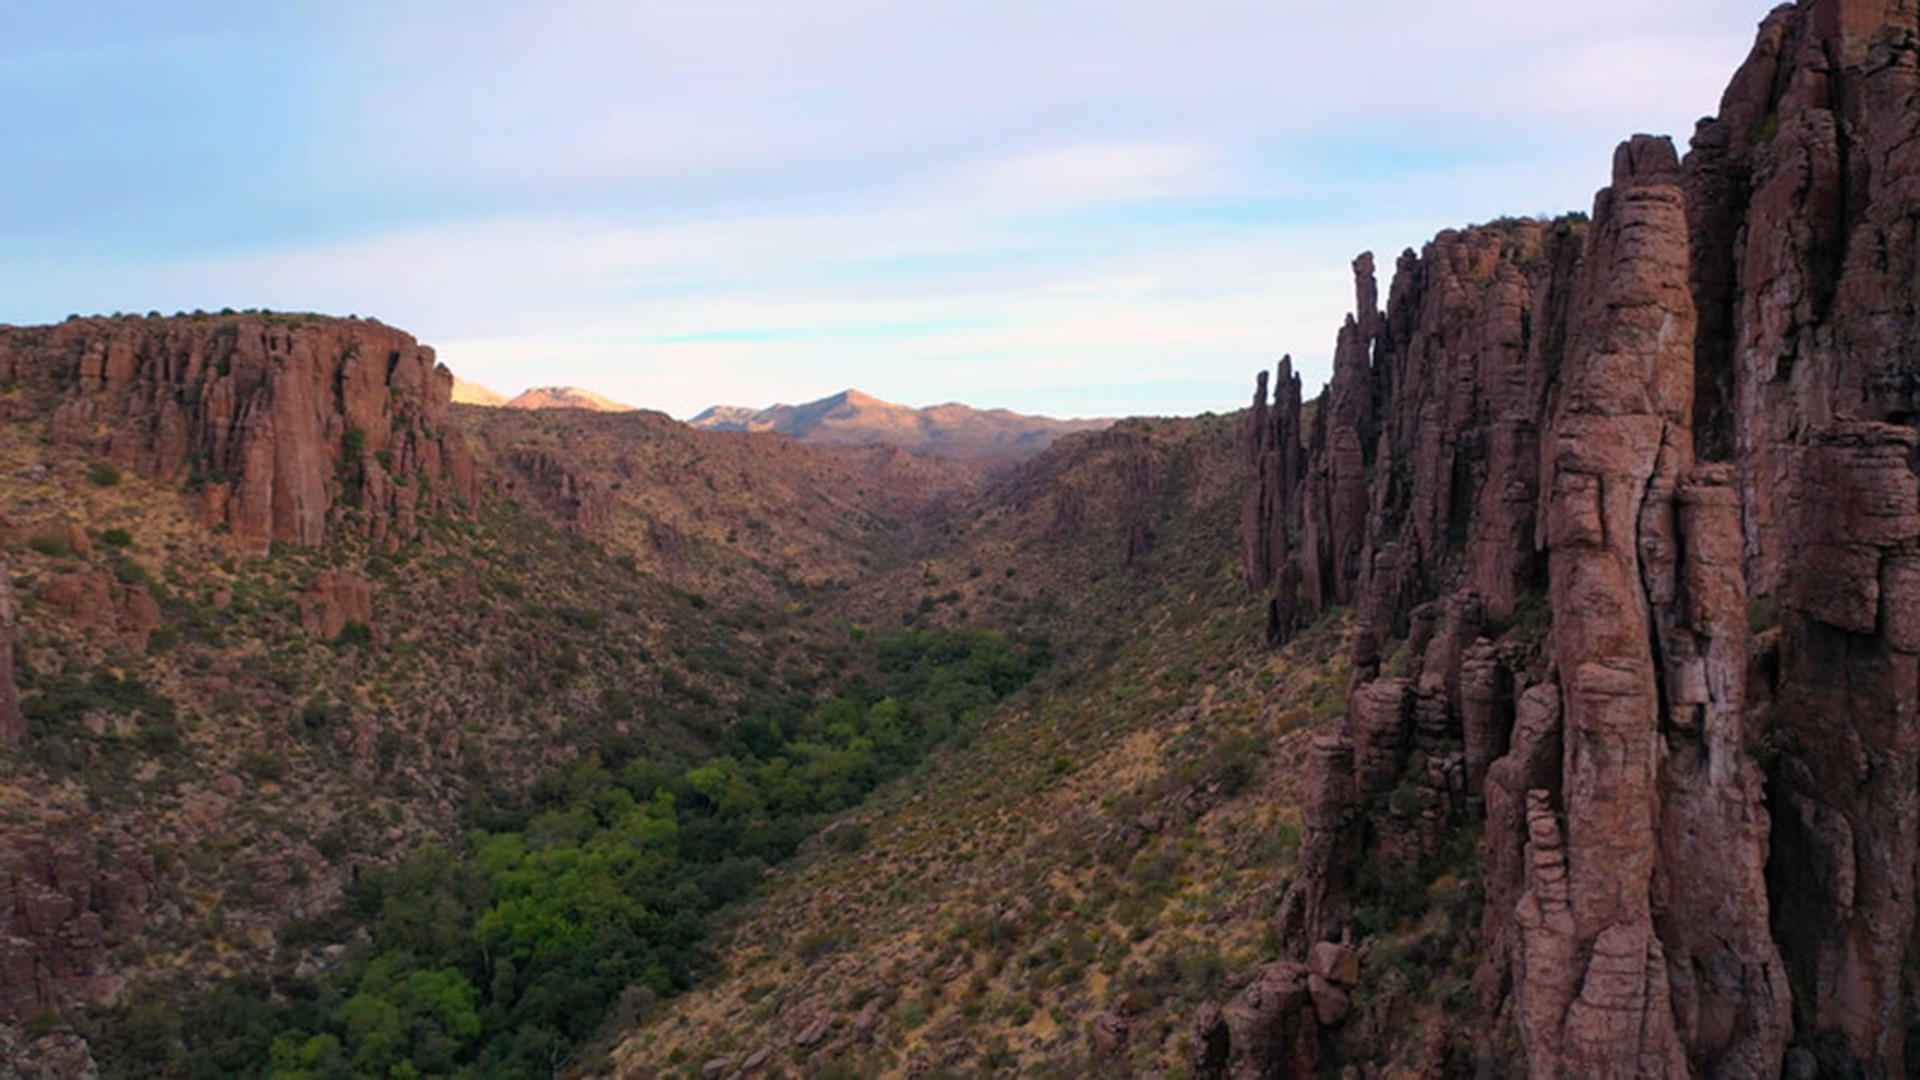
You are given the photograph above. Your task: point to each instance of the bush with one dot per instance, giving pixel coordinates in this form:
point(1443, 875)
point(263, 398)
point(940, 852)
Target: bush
point(264, 765)
point(103, 474)
point(52, 544)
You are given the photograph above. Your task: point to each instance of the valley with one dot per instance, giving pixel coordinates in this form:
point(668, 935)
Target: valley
point(1541, 697)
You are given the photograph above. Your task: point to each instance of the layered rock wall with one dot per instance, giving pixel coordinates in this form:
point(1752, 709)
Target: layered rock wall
point(1636, 582)
point(284, 426)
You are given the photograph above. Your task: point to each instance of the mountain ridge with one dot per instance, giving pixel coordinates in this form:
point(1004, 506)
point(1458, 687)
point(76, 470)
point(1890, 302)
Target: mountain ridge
point(950, 428)
point(536, 397)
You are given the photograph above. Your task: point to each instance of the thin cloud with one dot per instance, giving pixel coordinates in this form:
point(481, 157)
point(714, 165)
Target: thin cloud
point(1069, 204)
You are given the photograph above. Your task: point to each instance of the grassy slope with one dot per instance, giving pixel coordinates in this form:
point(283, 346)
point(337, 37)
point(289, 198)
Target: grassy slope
point(1111, 842)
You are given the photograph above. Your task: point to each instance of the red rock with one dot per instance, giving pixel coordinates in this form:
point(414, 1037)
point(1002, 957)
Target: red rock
point(1334, 962)
point(1272, 1027)
point(334, 599)
point(281, 423)
point(1699, 411)
point(137, 616)
point(91, 601)
point(58, 900)
point(1330, 1002)
point(578, 503)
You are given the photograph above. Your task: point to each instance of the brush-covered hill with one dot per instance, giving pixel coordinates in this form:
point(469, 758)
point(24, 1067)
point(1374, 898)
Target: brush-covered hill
point(749, 517)
point(279, 626)
point(335, 706)
point(951, 430)
point(1059, 890)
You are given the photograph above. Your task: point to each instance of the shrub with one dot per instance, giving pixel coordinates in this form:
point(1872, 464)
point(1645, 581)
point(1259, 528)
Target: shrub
point(264, 765)
point(103, 474)
point(117, 538)
point(848, 838)
point(52, 544)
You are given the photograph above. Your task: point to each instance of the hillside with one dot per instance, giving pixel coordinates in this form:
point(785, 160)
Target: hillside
point(1539, 699)
point(952, 430)
point(253, 660)
point(751, 518)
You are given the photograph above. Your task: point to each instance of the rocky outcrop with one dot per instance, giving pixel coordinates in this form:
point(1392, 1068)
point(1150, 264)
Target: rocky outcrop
point(1641, 551)
point(577, 502)
point(334, 599)
point(284, 426)
point(60, 903)
point(108, 611)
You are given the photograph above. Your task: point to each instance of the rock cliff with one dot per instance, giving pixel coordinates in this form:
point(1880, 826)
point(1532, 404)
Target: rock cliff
point(1628, 514)
point(285, 426)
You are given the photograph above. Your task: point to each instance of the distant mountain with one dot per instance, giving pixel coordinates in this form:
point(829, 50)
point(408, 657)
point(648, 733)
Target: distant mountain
point(566, 397)
point(951, 430)
point(471, 393)
point(540, 397)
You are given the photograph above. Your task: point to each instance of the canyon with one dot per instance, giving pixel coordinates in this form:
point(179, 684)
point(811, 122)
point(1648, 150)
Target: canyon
point(1540, 698)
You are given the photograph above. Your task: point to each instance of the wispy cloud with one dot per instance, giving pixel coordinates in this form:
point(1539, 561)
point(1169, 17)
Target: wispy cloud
point(1067, 206)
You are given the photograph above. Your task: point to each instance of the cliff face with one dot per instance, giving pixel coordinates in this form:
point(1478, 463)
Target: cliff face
point(283, 425)
point(1686, 432)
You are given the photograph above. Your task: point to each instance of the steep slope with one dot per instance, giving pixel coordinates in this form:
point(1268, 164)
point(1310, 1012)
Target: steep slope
point(952, 430)
point(1625, 515)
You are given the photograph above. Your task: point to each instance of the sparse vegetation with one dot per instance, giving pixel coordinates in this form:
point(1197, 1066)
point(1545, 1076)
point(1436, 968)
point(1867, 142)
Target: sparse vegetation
point(505, 953)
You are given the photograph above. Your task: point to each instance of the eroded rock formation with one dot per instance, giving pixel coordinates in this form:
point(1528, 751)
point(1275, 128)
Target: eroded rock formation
point(284, 426)
point(59, 902)
point(1641, 557)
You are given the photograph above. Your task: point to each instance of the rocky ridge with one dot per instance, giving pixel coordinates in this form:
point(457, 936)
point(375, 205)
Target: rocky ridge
point(282, 424)
point(953, 430)
point(1628, 514)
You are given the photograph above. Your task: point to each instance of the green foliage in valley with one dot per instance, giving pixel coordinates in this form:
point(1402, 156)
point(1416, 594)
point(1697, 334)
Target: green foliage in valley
point(594, 893)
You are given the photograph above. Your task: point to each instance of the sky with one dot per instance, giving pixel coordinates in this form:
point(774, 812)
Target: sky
point(1065, 207)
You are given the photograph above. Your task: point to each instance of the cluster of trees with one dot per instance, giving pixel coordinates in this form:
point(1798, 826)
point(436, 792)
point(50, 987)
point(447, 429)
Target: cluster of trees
point(504, 956)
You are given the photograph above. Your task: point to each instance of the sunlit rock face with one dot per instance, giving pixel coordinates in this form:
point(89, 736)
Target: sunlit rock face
point(281, 423)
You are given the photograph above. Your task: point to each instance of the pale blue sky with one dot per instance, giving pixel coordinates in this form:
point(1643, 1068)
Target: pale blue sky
point(1062, 206)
